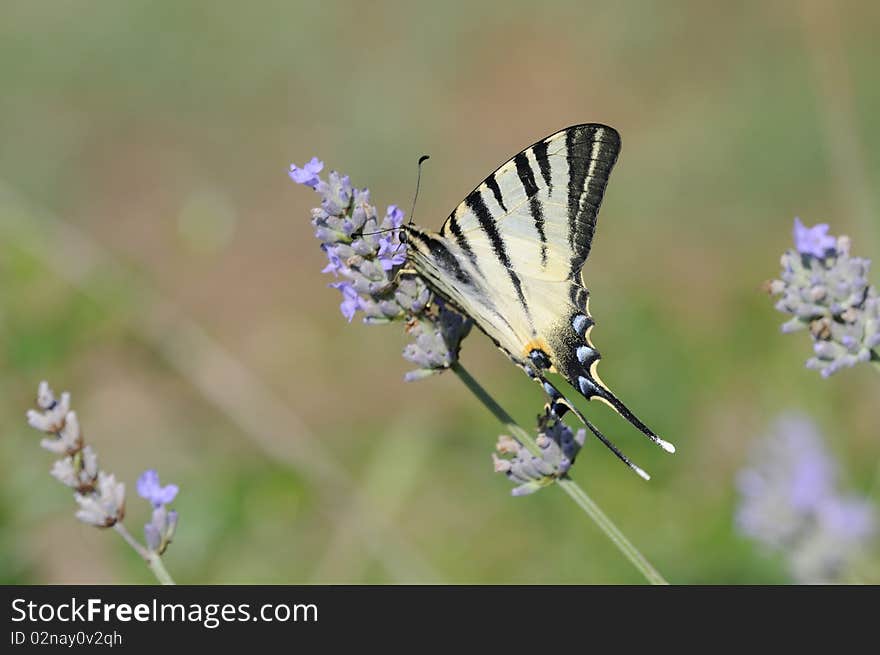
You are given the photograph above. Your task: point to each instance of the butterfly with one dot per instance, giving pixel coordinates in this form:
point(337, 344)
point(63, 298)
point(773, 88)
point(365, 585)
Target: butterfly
point(510, 257)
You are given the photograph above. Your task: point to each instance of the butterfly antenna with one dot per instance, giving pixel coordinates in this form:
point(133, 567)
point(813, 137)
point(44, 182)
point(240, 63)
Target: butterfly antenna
point(387, 229)
point(412, 211)
point(415, 197)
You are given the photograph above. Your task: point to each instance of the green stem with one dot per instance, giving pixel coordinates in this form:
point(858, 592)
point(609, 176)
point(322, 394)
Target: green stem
point(578, 495)
point(623, 544)
point(153, 560)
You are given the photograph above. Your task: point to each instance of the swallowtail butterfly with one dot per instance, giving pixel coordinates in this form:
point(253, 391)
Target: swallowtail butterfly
point(510, 257)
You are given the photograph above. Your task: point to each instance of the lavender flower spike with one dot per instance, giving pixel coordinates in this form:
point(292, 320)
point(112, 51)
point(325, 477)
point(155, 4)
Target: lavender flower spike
point(827, 290)
point(790, 503)
point(559, 446)
point(98, 495)
point(367, 254)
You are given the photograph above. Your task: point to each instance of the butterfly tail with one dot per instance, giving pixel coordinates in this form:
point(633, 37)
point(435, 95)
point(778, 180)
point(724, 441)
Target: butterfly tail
point(588, 383)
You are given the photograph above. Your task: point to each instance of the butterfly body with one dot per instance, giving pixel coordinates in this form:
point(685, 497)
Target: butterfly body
point(510, 257)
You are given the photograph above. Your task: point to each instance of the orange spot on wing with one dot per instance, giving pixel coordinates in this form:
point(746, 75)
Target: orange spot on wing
point(539, 344)
point(536, 344)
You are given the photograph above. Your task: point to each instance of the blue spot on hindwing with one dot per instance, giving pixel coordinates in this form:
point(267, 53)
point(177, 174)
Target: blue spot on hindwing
point(580, 323)
point(586, 355)
point(587, 387)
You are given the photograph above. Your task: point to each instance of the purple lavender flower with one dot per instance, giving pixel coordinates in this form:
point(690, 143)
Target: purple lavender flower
point(351, 301)
point(367, 254)
point(390, 253)
point(308, 174)
point(790, 502)
point(394, 215)
point(148, 487)
point(558, 445)
point(335, 264)
point(814, 240)
point(826, 291)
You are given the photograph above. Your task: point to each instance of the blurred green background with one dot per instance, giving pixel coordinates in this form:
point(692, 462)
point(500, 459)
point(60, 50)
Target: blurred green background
point(156, 261)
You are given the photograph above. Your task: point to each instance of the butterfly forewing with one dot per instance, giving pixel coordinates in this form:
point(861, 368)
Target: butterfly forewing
point(541, 204)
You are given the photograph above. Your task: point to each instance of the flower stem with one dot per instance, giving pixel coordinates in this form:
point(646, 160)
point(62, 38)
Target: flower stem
point(578, 495)
point(623, 544)
point(153, 560)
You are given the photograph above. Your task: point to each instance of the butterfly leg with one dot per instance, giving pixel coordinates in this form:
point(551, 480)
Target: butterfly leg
point(558, 405)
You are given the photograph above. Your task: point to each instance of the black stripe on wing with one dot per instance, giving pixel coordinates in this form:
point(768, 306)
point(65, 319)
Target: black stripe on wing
point(460, 239)
point(527, 179)
point(539, 150)
point(440, 253)
point(492, 183)
point(591, 151)
point(477, 205)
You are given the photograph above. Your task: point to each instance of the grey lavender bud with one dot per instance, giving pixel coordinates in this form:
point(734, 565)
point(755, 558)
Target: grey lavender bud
point(78, 471)
point(68, 440)
point(159, 532)
point(54, 411)
point(437, 340)
point(105, 506)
